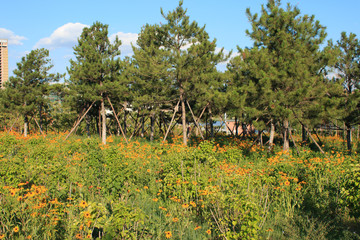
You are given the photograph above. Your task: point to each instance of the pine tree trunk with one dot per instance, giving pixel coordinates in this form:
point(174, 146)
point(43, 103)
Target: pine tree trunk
point(88, 125)
point(206, 126)
point(211, 123)
point(244, 129)
point(142, 125)
point(125, 126)
point(286, 146)
point(152, 124)
point(26, 124)
point(98, 123)
point(348, 138)
point(236, 127)
point(304, 134)
point(40, 116)
point(272, 135)
point(183, 112)
point(103, 115)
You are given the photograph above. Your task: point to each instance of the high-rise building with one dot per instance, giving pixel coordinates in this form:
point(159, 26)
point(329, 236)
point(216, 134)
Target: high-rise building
point(4, 63)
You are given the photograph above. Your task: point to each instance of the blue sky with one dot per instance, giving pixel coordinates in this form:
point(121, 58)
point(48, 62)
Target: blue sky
point(56, 25)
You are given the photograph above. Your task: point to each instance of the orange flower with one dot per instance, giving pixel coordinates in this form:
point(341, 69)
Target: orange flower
point(155, 199)
point(12, 192)
point(28, 237)
point(197, 227)
point(83, 204)
point(208, 231)
point(168, 234)
point(16, 229)
point(193, 204)
point(287, 183)
point(87, 214)
point(89, 236)
point(78, 236)
point(175, 219)
point(185, 205)
point(22, 184)
point(162, 208)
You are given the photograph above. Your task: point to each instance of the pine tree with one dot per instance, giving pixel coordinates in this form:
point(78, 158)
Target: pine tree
point(27, 89)
point(152, 87)
point(95, 73)
point(286, 67)
point(348, 71)
point(190, 54)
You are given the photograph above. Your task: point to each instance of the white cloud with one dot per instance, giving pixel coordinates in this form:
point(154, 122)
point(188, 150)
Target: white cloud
point(126, 40)
point(64, 36)
point(12, 38)
point(222, 65)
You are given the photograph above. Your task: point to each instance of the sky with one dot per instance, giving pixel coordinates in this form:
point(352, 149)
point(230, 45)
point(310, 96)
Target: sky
point(56, 25)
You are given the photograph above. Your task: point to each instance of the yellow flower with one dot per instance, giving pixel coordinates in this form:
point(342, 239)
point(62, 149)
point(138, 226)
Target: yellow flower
point(146, 187)
point(175, 219)
point(22, 184)
point(168, 234)
point(162, 208)
point(287, 183)
point(83, 204)
point(185, 205)
point(16, 229)
point(87, 214)
point(2, 236)
point(78, 236)
point(12, 192)
point(88, 224)
point(208, 231)
point(193, 204)
point(155, 199)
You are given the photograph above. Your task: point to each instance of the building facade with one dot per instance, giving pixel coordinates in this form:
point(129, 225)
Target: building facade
point(4, 63)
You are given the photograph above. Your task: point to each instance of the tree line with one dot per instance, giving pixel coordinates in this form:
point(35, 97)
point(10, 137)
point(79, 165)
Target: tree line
point(290, 76)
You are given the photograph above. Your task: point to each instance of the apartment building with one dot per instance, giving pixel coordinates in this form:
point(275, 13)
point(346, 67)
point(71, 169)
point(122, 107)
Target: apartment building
point(4, 64)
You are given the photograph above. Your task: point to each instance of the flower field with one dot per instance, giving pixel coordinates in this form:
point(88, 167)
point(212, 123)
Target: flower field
point(223, 189)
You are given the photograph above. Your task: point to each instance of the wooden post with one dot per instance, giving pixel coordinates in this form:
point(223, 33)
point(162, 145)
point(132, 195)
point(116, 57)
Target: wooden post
point(294, 142)
point(172, 119)
point(39, 126)
point(196, 124)
point(117, 120)
point(72, 130)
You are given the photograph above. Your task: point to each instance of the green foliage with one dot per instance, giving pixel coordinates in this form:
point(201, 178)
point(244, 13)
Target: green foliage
point(80, 188)
point(283, 75)
point(26, 91)
point(350, 191)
